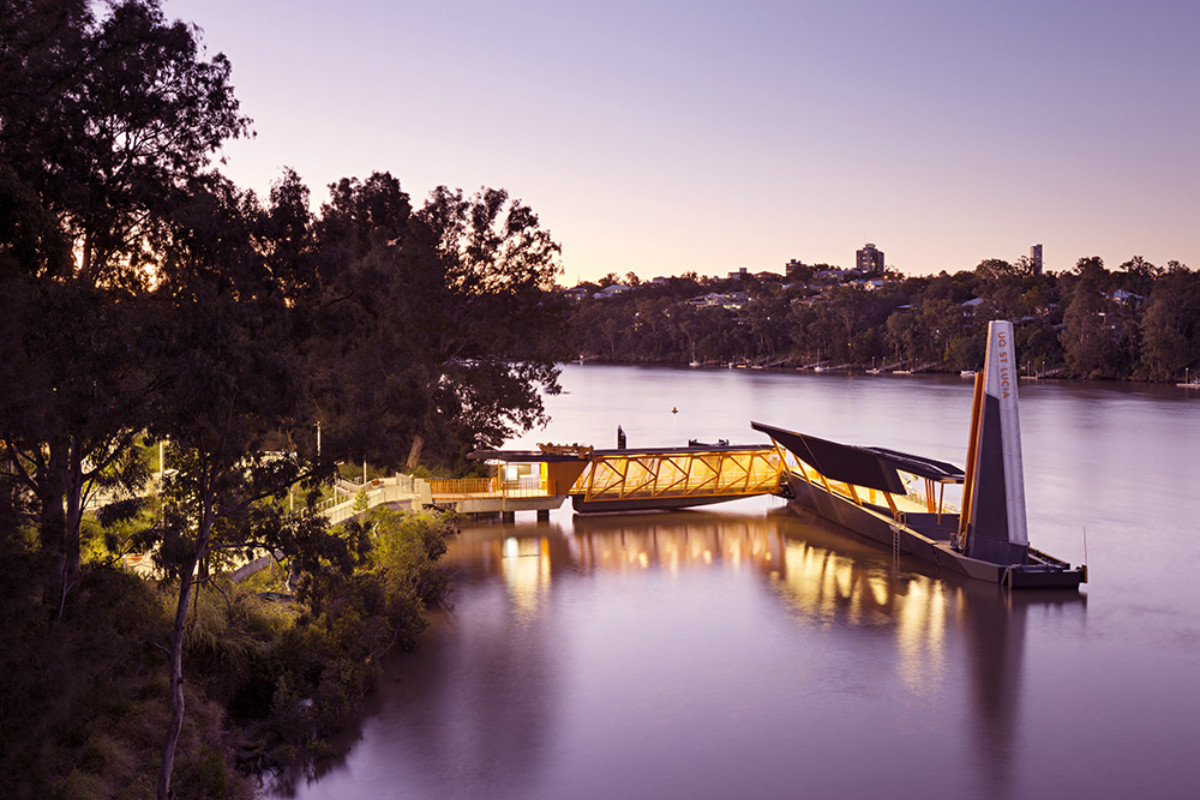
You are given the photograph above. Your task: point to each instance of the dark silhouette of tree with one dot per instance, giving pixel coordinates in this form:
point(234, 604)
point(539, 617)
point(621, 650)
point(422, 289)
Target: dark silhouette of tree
point(132, 112)
point(230, 387)
point(766, 317)
point(103, 122)
point(901, 336)
point(993, 270)
point(1091, 270)
point(141, 291)
point(432, 326)
point(935, 322)
point(503, 329)
point(1088, 338)
point(75, 400)
point(1171, 325)
point(373, 313)
point(1138, 275)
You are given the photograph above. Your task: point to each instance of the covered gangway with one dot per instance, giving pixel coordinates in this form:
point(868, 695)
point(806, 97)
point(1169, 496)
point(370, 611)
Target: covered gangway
point(631, 479)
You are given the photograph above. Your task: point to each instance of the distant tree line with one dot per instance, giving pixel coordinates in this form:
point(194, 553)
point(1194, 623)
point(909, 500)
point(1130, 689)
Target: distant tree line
point(144, 296)
point(1139, 322)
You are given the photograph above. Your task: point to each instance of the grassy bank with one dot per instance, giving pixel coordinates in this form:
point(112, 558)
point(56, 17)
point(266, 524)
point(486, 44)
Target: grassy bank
point(271, 670)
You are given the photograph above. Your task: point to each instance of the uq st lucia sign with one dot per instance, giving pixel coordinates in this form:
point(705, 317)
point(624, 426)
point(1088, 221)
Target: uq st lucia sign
point(998, 508)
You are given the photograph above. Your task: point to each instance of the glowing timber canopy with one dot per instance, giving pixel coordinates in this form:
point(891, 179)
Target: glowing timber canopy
point(689, 476)
point(632, 479)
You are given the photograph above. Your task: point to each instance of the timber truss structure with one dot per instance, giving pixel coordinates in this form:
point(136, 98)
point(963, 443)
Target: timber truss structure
point(693, 474)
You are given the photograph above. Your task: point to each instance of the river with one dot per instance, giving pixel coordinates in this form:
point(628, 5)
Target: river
point(740, 651)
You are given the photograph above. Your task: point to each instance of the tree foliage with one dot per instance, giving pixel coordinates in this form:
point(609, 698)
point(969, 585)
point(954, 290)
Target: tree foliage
point(445, 326)
point(103, 124)
point(142, 294)
point(112, 117)
point(1138, 322)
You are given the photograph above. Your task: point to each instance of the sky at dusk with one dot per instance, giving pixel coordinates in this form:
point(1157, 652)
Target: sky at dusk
point(665, 137)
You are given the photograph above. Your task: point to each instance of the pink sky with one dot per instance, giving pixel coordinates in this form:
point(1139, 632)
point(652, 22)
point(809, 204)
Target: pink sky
point(665, 137)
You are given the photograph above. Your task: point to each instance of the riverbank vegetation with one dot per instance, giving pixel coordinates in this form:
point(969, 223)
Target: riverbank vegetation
point(146, 302)
point(145, 298)
point(1139, 322)
point(270, 675)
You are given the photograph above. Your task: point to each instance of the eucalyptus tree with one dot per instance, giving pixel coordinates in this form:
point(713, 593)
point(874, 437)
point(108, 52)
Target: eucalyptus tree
point(1138, 275)
point(73, 405)
point(126, 111)
point(1171, 325)
point(436, 325)
point(230, 390)
point(103, 122)
point(901, 335)
point(374, 306)
point(767, 320)
point(503, 327)
point(1089, 346)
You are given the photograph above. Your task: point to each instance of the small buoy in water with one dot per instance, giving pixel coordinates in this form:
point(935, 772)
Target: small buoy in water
point(674, 410)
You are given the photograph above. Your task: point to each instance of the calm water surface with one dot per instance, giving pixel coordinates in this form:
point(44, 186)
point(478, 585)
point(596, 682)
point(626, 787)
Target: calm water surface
point(744, 652)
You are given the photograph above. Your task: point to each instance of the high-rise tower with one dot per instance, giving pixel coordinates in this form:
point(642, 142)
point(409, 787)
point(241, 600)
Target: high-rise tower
point(869, 260)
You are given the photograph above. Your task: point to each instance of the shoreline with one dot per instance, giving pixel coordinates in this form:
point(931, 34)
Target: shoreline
point(862, 370)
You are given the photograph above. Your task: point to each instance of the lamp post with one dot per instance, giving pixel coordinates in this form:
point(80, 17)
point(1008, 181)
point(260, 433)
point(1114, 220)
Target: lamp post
point(162, 474)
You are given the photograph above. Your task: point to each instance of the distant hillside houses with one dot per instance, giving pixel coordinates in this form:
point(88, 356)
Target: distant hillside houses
point(765, 276)
point(582, 292)
point(869, 273)
point(1138, 322)
point(835, 275)
point(1126, 297)
point(828, 278)
point(731, 300)
point(820, 282)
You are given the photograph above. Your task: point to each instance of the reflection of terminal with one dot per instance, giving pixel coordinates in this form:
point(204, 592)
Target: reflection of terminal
point(820, 576)
point(527, 556)
point(823, 579)
point(937, 662)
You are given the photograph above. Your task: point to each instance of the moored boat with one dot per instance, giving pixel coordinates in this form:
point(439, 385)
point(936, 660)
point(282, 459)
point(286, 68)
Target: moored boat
point(877, 492)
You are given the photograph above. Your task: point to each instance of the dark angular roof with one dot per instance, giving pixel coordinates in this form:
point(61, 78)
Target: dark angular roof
point(872, 467)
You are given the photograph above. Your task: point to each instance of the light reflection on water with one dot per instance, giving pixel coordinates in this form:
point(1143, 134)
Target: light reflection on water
point(744, 651)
